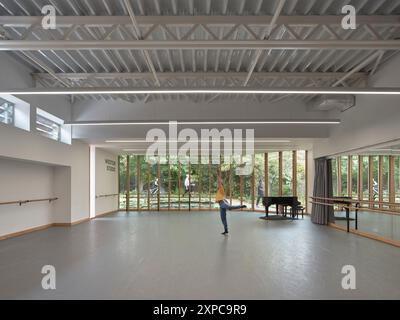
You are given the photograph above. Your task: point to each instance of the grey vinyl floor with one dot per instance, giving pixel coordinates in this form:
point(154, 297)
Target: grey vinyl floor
point(180, 255)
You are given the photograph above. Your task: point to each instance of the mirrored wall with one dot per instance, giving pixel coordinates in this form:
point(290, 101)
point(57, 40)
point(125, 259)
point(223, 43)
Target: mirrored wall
point(374, 180)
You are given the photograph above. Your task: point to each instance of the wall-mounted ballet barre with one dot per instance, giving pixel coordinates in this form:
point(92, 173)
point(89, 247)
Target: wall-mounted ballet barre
point(383, 203)
point(351, 204)
point(107, 195)
point(21, 202)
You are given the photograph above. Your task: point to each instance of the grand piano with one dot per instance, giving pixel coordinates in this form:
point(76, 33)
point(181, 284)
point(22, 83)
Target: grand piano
point(292, 202)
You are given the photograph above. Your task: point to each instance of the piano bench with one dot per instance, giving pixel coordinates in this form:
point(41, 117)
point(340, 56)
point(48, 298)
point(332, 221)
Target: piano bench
point(300, 208)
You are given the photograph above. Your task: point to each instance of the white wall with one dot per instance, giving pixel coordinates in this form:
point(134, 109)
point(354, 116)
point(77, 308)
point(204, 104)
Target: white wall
point(374, 119)
point(62, 190)
point(22, 145)
point(106, 182)
point(67, 166)
point(21, 180)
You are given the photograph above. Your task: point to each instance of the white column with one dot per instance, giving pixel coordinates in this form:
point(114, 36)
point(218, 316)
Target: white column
point(92, 183)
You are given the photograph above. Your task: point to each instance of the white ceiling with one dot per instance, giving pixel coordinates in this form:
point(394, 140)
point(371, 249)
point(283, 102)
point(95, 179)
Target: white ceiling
point(200, 43)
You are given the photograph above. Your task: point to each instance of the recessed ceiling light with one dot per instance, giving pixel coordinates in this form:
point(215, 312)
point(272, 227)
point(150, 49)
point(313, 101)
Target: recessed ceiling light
point(233, 90)
point(249, 122)
point(173, 141)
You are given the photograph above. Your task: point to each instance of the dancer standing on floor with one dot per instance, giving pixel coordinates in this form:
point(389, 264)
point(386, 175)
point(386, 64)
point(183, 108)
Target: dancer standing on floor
point(224, 205)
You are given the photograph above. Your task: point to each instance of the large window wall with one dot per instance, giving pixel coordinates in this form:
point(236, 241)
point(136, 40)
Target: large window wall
point(373, 178)
point(162, 183)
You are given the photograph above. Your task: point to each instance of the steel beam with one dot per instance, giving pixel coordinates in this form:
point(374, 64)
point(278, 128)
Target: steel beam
point(205, 90)
point(266, 36)
point(25, 45)
point(201, 75)
point(97, 21)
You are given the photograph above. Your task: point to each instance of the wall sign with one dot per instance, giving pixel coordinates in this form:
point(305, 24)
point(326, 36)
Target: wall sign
point(110, 165)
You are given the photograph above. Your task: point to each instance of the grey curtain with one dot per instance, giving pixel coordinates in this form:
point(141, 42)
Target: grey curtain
point(321, 214)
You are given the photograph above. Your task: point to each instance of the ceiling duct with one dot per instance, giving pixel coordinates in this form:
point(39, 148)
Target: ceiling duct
point(328, 102)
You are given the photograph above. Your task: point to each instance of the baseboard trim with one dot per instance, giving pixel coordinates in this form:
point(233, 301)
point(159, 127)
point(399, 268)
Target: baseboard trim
point(70, 224)
point(104, 214)
point(55, 224)
point(74, 223)
point(366, 235)
point(61, 224)
point(26, 231)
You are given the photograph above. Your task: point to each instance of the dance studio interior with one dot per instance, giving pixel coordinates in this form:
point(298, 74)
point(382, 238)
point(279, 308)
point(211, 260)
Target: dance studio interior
point(199, 150)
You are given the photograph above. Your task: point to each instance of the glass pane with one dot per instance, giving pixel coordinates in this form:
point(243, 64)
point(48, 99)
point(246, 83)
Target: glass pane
point(6, 112)
point(344, 164)
point(354, 177)
point(164, 183)
point(236, 181)
point(376, 178)
point(335, 177)
point(133, 182)
point(214, 178)
point(122, 182)
point(385, 178)
point(204, 184)
point(259, 171)
point(287, 173)
point(184, 183)
point(226, 178)
point(174, 182)
point(154, 183)
point(301, 177)
point(365, 166)
point(248, 182)
point(194, 181)
point(48, 128)
point(273, 174)
point(144, 183)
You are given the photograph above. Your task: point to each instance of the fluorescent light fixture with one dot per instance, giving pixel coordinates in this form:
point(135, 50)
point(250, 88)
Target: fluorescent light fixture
point(382, 150)
point(233, 90)
point(161, 123)
point(173, 141)
point(168, 150)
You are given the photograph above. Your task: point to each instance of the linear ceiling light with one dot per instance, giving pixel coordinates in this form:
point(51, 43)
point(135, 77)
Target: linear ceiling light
point(248, 122)
point(144, 149)
point(238, 90)
point(173, 141)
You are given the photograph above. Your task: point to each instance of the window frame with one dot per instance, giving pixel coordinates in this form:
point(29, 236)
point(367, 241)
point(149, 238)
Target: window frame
point(53, 120)
point(12, 105)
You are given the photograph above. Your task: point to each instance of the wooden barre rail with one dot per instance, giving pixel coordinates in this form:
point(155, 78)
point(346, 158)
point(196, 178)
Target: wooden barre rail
point(351, 207)
point(21, 202)
point(390, 204)
point(107, 195)
point(347, 204)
